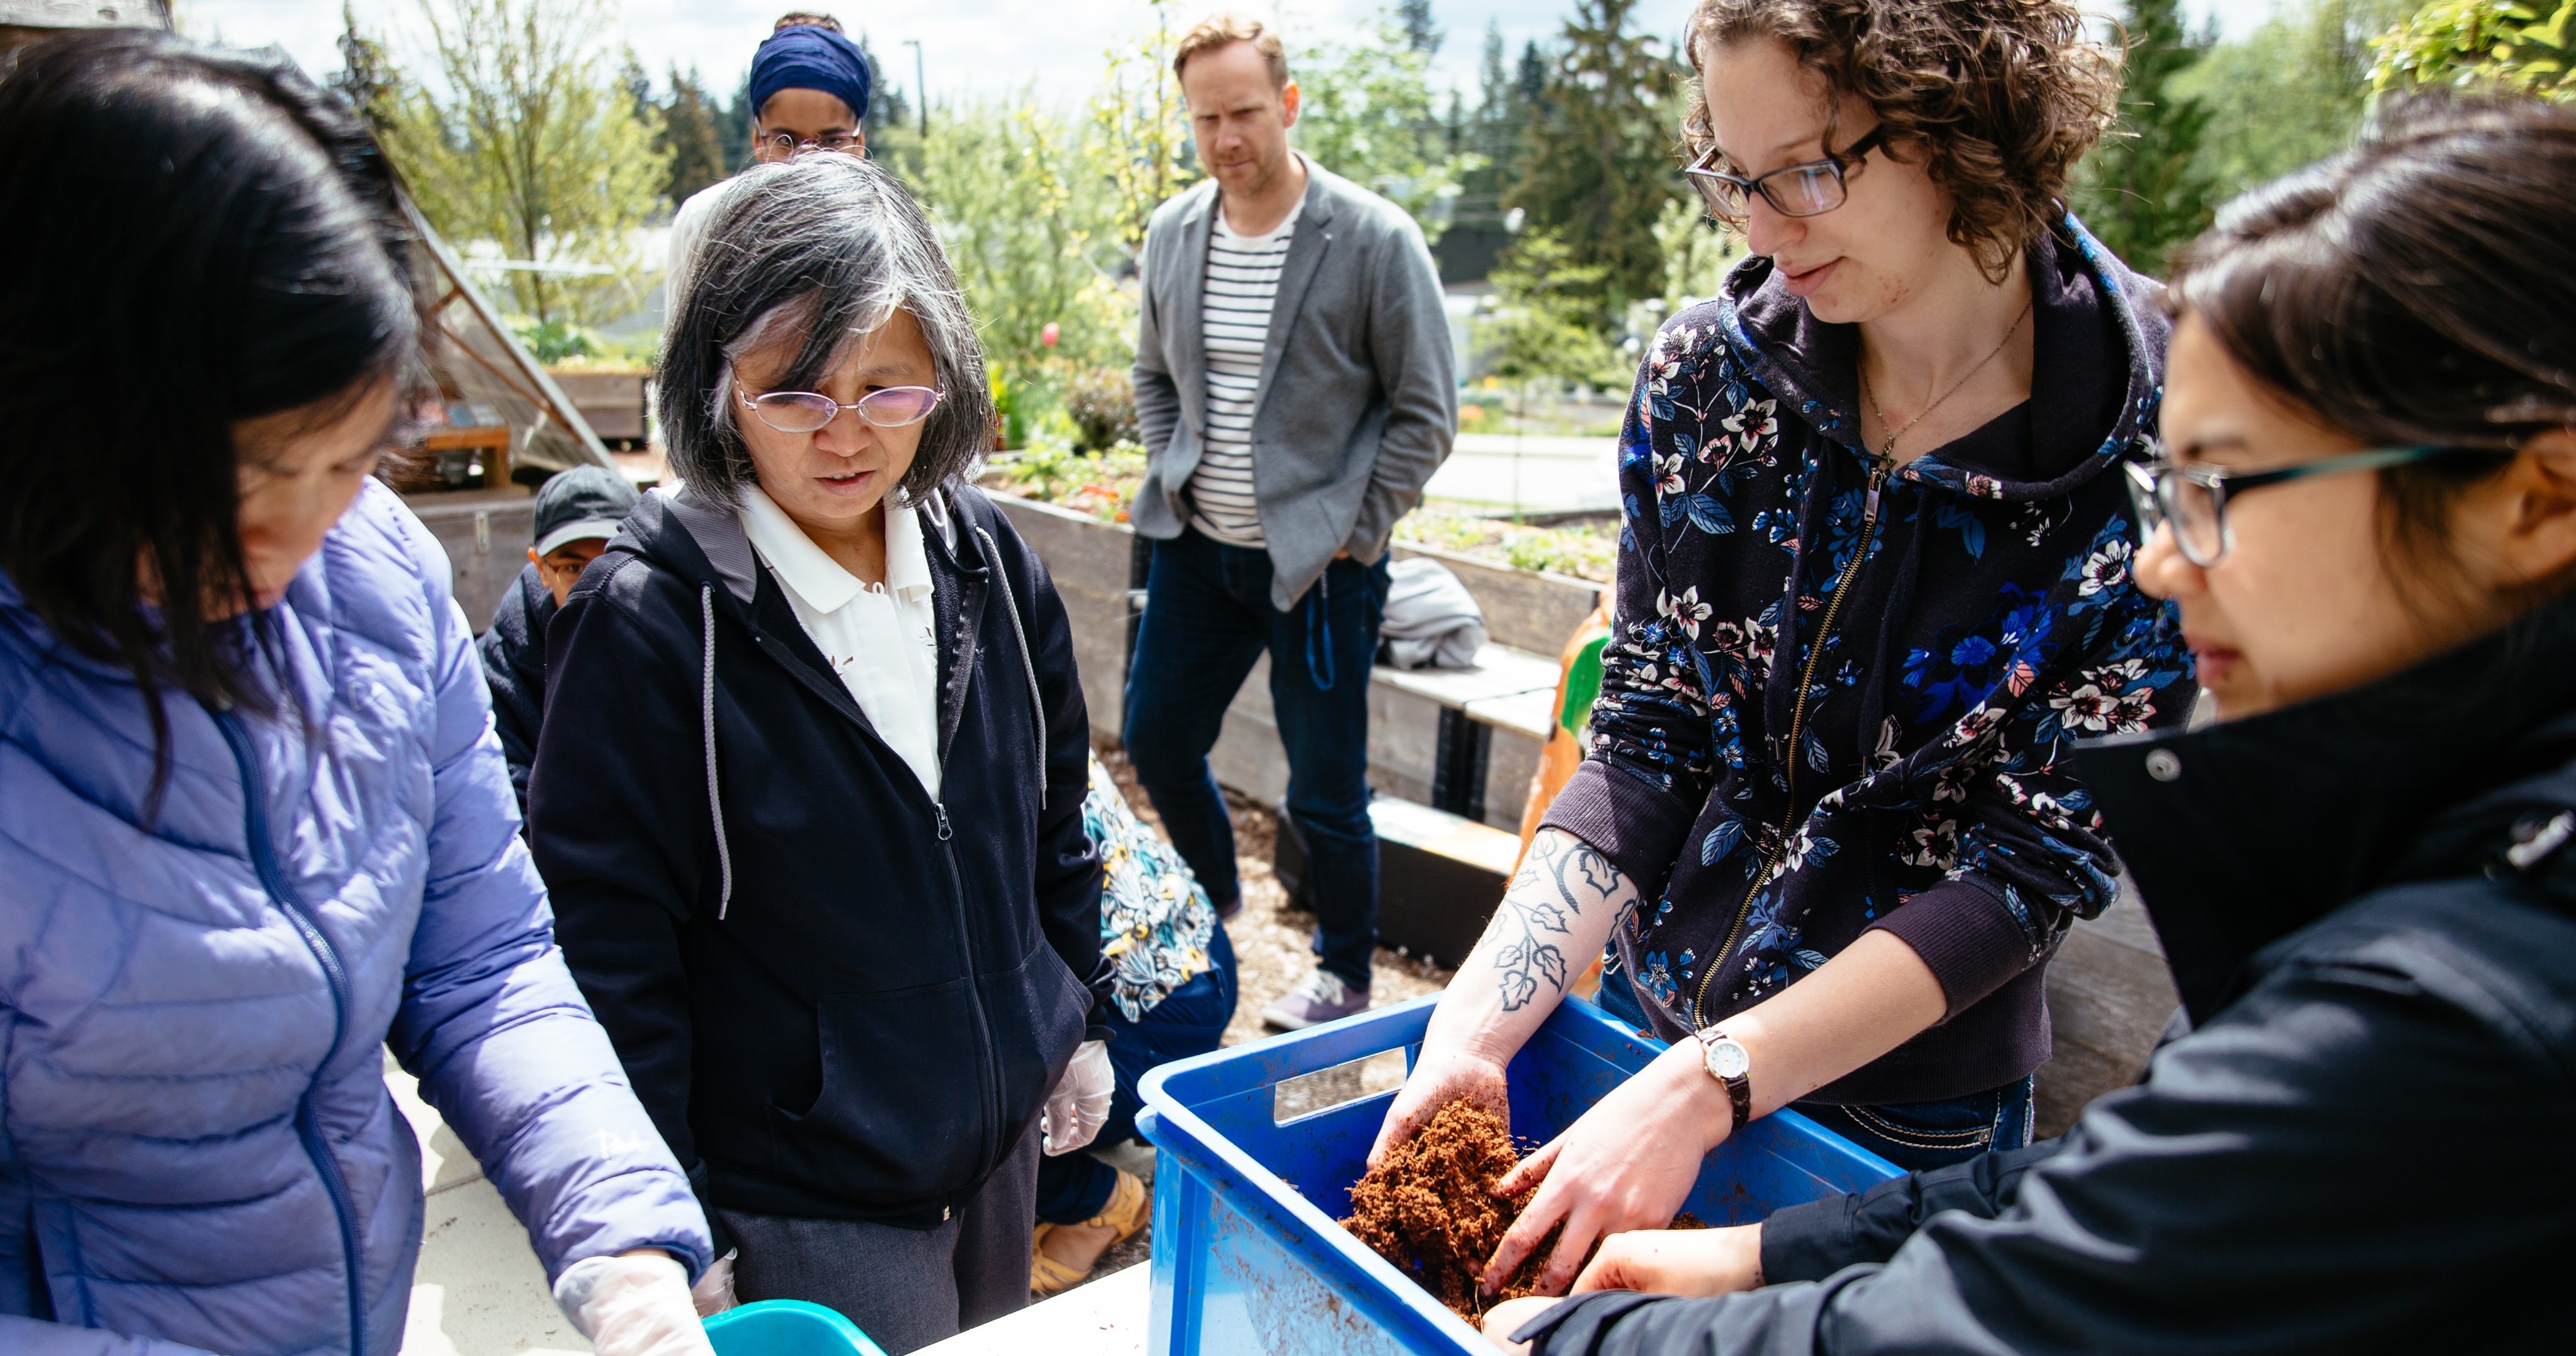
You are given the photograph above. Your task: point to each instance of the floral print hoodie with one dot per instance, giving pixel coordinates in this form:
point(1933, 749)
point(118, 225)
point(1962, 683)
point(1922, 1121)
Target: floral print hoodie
point(1957, 626)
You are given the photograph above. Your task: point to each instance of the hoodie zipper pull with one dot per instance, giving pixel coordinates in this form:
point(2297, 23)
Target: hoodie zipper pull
point(1878, 470)
point(942, 808)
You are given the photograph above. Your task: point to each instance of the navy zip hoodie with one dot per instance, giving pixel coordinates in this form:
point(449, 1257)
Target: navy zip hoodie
point(1988, 622)
point(838, 998)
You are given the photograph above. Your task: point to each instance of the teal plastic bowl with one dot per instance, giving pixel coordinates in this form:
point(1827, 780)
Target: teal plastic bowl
point(787, 1328)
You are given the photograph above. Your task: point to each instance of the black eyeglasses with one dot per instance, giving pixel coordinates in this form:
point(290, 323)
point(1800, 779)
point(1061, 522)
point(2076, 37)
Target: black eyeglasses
point(2192, 496)
point(1802, 190)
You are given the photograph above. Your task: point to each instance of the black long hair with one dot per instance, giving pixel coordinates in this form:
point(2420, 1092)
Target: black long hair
point(192, 236)
point(2418, 288)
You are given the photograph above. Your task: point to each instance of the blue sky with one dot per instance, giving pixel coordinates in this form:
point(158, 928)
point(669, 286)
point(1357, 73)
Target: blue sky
point(977, 46)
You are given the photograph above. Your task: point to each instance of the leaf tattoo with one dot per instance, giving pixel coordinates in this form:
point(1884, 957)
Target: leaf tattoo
point(1562, 877)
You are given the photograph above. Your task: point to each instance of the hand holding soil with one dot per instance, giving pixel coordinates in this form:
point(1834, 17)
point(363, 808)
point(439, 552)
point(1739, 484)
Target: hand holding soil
point(1430, 1206)
point(1437, 1080)
point(1628, 1163)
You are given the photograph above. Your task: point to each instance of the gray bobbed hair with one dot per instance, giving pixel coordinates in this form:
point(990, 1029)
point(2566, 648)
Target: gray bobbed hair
point(826, 247)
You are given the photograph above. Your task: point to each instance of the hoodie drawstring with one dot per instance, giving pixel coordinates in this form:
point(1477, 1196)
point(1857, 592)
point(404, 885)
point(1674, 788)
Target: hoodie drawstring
point(1319, 625)
point(707, 722)
point(1028, 666)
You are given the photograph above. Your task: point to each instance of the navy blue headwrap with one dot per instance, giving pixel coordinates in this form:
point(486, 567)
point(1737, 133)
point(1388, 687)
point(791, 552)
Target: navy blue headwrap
point(805, 57)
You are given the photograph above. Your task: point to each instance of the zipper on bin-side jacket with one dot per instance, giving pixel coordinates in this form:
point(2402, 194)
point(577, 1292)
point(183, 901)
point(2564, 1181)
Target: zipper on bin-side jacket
point(960, 677)
point(308, 1126)
point(1878, 471)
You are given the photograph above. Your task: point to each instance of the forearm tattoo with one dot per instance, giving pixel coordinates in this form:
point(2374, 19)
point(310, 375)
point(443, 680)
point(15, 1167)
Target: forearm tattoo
point(1563, 876)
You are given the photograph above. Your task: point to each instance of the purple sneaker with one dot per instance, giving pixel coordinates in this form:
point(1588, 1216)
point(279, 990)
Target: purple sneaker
point(1322, 998)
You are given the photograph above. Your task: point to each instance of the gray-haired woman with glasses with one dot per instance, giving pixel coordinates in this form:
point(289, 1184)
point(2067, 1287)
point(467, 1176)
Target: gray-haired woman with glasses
point(1873, 584)
point(813, 821)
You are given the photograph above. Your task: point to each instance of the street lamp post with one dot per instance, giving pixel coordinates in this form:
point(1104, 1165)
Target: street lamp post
point(920, 91)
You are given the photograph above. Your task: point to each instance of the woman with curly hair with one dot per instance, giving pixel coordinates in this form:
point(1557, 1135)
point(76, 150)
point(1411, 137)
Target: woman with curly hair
point(2362, 872)
point(1873, 583)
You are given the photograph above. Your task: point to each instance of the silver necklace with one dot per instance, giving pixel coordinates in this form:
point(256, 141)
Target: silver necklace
point(1884, 421)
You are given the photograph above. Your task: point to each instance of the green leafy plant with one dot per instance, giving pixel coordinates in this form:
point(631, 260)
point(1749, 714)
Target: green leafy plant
point(2143, 191)
point(555, 341)
point(2522, 47)
point(1101, 404)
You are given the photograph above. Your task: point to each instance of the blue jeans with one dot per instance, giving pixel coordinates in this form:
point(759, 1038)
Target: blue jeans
point(1208, 618)
point(1189, 1021)
point(1912, 1135)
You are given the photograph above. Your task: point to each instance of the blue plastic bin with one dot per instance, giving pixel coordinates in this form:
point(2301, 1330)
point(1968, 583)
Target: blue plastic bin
point(787, 1328)
point(1247, 1257)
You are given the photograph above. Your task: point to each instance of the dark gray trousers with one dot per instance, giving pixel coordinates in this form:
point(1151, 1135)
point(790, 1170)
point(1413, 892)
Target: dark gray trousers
point(906, 1288)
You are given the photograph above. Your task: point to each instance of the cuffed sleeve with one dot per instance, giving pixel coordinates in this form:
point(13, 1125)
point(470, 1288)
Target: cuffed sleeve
point(1811, 1241)
point(499, 1035)
point(1970, 932)
point(1639, 827)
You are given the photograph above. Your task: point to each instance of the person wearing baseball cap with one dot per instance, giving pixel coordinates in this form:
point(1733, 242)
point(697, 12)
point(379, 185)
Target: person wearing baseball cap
point(810, 86)
point(577, 512)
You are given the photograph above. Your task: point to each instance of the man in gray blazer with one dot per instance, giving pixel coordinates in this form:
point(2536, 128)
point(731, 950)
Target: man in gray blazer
point(1295, 389)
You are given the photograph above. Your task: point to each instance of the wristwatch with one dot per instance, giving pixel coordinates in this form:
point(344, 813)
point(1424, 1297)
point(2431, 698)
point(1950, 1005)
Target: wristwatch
point(1731, 1065)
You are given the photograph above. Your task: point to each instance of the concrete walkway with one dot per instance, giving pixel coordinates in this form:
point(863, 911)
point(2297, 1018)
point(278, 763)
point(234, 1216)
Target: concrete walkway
point(1499, 474)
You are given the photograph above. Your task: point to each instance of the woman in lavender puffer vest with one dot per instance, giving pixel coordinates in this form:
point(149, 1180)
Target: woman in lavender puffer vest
point(215, 915)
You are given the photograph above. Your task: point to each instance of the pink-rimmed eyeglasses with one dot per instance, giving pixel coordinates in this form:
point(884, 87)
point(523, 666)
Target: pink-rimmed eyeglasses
point(809, 411)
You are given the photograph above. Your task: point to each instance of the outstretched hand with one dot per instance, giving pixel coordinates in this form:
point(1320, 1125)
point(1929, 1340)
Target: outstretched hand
point(1697, 1262)
point(1629, 1163)
point(1436, 1081)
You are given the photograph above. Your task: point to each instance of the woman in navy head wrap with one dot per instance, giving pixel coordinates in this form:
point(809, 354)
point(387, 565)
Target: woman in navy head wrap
point(809, 89)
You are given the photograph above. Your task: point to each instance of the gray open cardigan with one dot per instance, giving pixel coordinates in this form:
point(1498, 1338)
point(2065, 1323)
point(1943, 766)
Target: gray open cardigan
point(1358, 394)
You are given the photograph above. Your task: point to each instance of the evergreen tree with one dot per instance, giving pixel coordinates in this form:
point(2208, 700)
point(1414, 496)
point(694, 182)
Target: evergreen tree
point(366, 78)
point(639, 88)
point(2143, 191)
point(1419, 34)
point(1598, 160)
point(733, 127)
point(691, 134)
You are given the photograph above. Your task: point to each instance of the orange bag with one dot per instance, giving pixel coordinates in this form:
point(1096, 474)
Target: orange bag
point(1578, 685)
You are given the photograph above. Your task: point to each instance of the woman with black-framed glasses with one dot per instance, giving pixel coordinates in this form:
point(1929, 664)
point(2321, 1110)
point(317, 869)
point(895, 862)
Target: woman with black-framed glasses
point(813, 823)
point(1873, 584)
point(2363, 874)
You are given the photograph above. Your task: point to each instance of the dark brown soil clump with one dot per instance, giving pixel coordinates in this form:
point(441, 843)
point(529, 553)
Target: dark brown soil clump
point(1430, 1208)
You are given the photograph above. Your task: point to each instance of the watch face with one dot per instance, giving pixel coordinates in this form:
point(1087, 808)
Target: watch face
point(1726, 1059)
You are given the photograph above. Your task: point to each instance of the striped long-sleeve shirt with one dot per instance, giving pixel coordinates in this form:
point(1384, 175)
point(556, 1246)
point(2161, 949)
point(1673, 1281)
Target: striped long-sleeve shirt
point(1242, 283)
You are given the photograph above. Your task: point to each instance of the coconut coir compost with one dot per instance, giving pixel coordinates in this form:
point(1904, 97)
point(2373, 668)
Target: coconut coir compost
point(1431, 1210)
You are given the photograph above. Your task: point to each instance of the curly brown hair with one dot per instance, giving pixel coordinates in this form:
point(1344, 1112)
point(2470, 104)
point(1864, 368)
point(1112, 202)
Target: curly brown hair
point(2000, 97)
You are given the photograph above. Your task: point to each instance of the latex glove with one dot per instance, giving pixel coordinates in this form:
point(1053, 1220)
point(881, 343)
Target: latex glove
point(1079, 1106)
point(713, 1293)
point(634, 1304)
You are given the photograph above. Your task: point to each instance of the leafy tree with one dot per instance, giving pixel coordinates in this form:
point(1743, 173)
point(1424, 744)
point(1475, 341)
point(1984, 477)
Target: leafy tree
point(1598, 150)
point(691, 133)
point(1541, 327)
point(2288, 94)
point(1697, 255)
point(1139, 127)
point(532, 144)
point(2526, 47)
point(1367, 115)
point(2144, 191)
point(366, 78)
point(1033, 227)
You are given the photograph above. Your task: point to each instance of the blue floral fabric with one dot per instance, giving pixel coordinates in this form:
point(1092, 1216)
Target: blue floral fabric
point(1992, 623)
point(1155, 918)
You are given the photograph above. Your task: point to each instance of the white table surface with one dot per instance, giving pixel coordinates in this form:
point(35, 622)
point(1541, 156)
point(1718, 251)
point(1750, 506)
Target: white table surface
point(1105, 1318)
